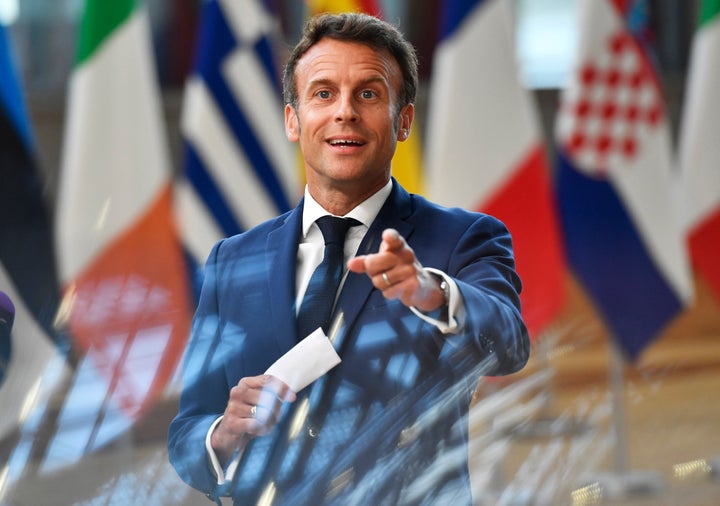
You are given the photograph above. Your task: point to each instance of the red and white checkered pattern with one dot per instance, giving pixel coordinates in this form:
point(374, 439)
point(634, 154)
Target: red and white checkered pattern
point(612, 106)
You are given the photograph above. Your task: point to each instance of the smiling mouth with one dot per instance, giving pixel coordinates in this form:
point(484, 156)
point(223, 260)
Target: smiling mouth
point(345, 142)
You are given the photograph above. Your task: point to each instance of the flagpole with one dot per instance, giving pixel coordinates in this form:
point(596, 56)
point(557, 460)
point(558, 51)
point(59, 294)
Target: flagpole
point(622, 482)
point(616, 379)
point(547, 424)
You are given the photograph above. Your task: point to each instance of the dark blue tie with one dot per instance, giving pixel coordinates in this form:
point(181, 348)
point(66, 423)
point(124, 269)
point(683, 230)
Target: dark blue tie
point(317, 303)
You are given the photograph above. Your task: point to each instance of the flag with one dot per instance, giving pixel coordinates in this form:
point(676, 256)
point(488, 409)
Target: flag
point(29, 358)
point(240, 169)
point(485, 149)
point(637, 18)
point(371, 7)
point(699, 149)
point(126, 300)
point(407, 164)
point(615, 187)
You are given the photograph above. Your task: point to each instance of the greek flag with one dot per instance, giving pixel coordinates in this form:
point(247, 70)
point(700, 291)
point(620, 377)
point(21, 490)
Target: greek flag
point(239, 168)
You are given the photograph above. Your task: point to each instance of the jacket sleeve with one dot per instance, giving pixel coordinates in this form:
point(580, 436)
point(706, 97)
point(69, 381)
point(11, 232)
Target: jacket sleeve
point(483, 266)
point(200, 407)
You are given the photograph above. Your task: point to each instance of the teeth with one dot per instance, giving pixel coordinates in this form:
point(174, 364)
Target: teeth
point(339, 142)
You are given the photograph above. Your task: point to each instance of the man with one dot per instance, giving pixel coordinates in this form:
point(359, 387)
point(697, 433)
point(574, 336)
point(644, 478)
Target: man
point(429, 303)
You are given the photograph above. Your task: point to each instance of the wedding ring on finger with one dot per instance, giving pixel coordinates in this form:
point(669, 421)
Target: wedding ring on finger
point(253, 411)
point(387, 280)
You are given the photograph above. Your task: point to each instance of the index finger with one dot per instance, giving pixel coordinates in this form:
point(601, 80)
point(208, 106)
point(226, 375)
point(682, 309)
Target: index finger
point(280, 389)
point(266, 382)
point(392, 240)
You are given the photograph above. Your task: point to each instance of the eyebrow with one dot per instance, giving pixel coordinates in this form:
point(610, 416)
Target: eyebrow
point(319, 82)
point(327, 82)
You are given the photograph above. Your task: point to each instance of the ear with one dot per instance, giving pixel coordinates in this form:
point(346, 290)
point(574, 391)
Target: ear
point(407, 113)
point(292, 124)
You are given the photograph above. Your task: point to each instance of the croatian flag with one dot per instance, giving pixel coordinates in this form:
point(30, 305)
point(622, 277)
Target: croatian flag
point(240, 169)
point(699, 149)
point(485, 150)
point(615, 186)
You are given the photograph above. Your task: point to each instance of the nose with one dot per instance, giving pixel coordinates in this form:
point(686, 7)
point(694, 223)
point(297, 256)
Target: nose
point(346, 110)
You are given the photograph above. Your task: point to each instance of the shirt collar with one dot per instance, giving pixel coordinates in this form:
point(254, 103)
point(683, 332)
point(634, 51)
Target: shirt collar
point(365, 212)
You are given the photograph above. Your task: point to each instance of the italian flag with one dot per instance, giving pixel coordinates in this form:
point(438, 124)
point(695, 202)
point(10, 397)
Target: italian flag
point(699, 149)
point(126, 301)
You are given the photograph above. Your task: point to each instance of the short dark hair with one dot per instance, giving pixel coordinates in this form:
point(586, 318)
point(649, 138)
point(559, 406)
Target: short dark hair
point(355, 27)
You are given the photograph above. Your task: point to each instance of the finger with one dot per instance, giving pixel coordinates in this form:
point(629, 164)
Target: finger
point(393, 291)
point(384, 276)
point(279, 388)
point(248, 392)
point(250, 383)
point(273, 395)
point(270, 400)
point(255, 404)
point(239, 419)
point(388, 275)
point(391, 240)
point(357, 264)
point(387, 282)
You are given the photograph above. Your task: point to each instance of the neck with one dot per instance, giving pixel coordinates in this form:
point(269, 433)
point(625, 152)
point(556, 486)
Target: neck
point(341, 199)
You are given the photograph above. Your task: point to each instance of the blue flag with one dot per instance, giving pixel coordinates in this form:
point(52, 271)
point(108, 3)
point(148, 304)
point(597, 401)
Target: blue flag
point(27, 263)
point(26, 248)
point(240, 169)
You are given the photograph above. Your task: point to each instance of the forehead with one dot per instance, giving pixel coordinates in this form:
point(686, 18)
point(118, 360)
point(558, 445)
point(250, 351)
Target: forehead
point(331, 59)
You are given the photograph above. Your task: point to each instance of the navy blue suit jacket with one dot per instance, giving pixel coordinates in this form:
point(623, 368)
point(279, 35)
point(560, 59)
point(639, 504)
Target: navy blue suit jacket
point(389, 424)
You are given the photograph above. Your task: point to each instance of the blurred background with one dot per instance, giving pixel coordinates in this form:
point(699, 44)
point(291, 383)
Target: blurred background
point(136, 134)
point(44, 34)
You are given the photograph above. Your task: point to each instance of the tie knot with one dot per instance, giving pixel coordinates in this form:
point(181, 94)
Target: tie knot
point(334, 228)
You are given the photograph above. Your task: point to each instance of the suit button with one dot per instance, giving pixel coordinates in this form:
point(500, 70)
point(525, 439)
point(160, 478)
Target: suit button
point(487, 344)
point(313, 432)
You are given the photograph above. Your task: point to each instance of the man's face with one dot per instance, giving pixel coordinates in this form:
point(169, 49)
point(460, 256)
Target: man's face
point(346, 120)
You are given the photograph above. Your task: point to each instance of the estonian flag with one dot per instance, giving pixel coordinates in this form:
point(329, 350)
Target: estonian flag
point(29, 359)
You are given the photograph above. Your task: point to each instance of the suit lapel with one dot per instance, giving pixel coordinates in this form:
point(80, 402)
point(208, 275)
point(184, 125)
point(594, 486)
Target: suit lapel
point(281, 255)
point(357, 288)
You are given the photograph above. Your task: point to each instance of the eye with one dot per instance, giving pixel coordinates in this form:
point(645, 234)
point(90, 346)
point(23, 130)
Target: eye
point(367, 94)
point(323, 94)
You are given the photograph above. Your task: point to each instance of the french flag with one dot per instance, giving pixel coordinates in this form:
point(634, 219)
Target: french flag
point(615, 187)
point(485, 149)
